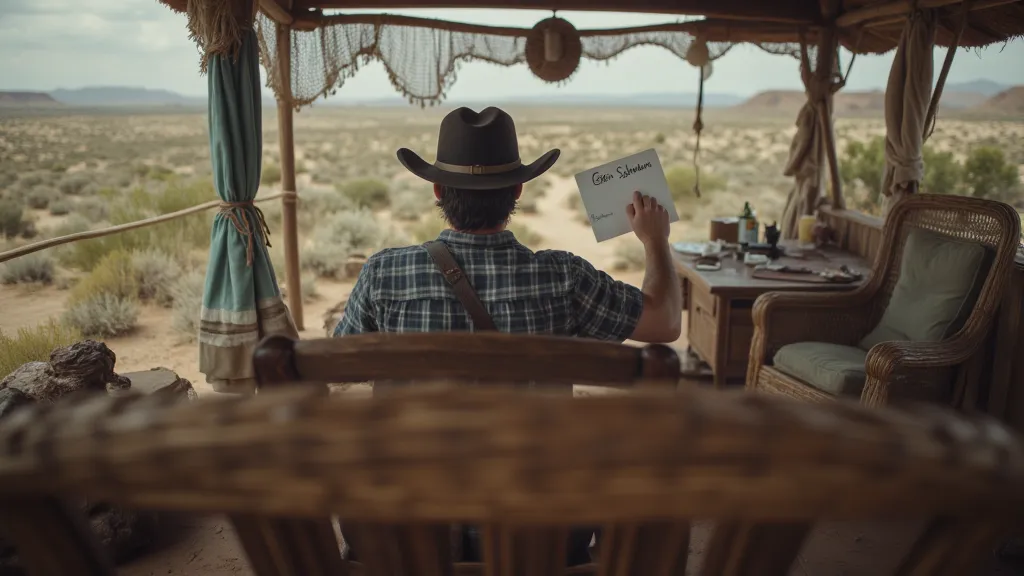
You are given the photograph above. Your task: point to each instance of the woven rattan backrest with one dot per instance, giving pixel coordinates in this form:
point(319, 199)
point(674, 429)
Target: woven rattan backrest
point(488, 357)
point(522, 466)
point(994, 224)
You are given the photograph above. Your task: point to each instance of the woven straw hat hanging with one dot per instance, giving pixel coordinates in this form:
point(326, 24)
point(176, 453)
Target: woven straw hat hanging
point(553, 49)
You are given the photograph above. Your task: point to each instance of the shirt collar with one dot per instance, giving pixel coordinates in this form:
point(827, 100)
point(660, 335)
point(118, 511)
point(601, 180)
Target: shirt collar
point(503, 238)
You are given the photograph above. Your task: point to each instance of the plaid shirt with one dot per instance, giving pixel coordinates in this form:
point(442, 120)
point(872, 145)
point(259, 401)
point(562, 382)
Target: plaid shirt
point(546, 292)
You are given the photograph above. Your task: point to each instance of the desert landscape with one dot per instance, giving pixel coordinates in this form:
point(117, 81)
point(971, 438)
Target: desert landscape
point(68, 169)
point(72, 170)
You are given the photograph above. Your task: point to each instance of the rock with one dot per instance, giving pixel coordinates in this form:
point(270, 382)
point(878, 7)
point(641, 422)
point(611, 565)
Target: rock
point(11, 399)
point(333, 316)
point(86, 365)
point(89, 365)
point(159, 381)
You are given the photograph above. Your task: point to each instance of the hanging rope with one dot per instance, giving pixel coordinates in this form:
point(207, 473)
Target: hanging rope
point(933, 105)
point(698, 127)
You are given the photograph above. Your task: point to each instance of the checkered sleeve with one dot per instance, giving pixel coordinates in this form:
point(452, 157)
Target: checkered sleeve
point(359, 315)
point(604, 308)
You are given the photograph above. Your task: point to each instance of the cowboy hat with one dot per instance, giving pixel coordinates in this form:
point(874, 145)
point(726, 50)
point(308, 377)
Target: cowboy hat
point(477, 151)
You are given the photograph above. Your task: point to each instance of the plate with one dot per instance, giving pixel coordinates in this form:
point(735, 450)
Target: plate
point(689, 248)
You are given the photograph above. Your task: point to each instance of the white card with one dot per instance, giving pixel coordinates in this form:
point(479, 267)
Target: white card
point(607, 189)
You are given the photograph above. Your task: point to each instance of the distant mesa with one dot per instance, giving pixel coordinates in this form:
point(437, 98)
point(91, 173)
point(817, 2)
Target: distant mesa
point(27, 99)
point(1009, 102)
point(970, 96)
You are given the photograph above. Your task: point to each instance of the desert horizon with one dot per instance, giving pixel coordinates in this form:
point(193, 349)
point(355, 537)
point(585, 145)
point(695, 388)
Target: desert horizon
point(82, 171)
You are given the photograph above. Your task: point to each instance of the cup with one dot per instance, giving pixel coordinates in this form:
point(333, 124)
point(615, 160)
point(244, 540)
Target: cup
point(805, 229)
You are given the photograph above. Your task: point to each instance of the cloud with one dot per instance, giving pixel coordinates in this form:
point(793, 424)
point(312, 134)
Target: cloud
point(98, 27)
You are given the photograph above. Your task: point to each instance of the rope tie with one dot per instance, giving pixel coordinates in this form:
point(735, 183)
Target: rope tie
point(242, 225)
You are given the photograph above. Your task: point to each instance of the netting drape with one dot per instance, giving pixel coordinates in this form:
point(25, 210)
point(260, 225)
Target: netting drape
point(422, 57)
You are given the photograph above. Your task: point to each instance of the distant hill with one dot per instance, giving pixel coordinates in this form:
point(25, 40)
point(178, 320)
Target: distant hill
point(862, 103)
point(23, 99)
point(124, 96)
point(1009, 101)
point(652, 100)
point(986, 87)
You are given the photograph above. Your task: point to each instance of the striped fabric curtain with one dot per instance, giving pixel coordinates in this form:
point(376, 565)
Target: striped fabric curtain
point(241, 301)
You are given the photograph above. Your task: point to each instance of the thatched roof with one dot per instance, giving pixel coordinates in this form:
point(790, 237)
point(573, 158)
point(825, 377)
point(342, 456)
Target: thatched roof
point(867, 26)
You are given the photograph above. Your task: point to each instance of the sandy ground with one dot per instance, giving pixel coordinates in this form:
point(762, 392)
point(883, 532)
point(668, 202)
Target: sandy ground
point(208, 545)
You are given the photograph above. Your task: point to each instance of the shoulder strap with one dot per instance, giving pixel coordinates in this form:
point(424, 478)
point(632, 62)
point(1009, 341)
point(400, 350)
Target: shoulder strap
point(464, 291)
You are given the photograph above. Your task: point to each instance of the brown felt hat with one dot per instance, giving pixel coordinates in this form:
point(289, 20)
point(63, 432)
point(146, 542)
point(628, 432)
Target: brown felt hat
point(477, 151)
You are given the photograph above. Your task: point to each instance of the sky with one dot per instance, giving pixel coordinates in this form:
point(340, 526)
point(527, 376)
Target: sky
point(49, 44)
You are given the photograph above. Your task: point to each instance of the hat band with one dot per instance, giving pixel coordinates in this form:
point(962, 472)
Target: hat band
point(477, 170)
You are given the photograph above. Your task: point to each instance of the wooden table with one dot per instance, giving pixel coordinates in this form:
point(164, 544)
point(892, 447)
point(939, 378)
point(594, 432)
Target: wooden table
point(718, 305)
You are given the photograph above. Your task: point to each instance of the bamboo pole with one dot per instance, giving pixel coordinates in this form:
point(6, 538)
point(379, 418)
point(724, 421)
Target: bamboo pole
point(826, 67)
point(90, 234)
point(290, 199)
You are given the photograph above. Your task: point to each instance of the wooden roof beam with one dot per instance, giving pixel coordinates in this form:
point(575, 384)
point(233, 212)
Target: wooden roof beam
point(790, 12)
point(886, 12)
point(279, 11)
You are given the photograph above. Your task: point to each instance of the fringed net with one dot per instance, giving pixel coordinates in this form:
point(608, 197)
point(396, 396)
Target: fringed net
point(422, 57)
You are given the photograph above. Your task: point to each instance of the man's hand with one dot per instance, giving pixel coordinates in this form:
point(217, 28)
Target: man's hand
point(648, 219)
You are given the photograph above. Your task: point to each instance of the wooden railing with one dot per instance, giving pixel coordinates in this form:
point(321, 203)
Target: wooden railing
point(90, 234)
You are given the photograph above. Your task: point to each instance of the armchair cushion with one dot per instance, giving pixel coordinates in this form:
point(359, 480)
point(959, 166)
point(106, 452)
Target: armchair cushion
point(938, 275)
point(832, 368)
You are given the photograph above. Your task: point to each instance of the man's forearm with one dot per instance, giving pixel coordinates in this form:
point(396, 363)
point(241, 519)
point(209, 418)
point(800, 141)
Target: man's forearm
point(661, 285)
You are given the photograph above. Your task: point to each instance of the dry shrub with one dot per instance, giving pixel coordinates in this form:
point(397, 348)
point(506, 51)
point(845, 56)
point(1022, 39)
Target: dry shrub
point(34, 267)
point(114, 275)
point(34, 344)
point(73, 184)
point(575, 203)
point(367, 193)
point(309, 290)
point(103, 316)
point(40, 197)
point(340, 236)
point(155, 272)
point(60, 207)
point(629, 255)
point(11, 221)
point(187, 294)
point(527, 203)
point(429, 226)
point(175, 237)
point(410, 204)
point(94, 209)
point(525, 235)
point(271, 174)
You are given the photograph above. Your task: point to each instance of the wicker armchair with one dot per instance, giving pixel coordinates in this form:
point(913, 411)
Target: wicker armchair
point(400, 468)
point(893, 369)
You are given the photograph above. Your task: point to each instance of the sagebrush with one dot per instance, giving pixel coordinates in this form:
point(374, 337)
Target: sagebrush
point(34, 344)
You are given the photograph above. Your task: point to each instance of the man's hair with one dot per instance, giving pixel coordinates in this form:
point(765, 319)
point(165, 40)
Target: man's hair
point(477, 209)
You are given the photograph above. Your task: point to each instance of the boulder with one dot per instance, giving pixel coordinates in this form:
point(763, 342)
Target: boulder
point(86, 365)
point(89, 365)
point(11, 399)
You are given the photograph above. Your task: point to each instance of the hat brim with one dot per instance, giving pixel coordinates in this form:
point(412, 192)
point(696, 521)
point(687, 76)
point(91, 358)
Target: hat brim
point(431, 173)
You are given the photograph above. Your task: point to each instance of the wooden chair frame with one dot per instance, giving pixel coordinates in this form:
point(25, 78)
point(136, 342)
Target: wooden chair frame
point(401, 468)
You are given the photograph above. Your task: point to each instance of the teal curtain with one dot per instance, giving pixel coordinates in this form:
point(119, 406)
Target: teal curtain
point(241, 301)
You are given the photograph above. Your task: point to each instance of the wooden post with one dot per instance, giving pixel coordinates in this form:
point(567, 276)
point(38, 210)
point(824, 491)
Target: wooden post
point(290, 199)
point(824, 70)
